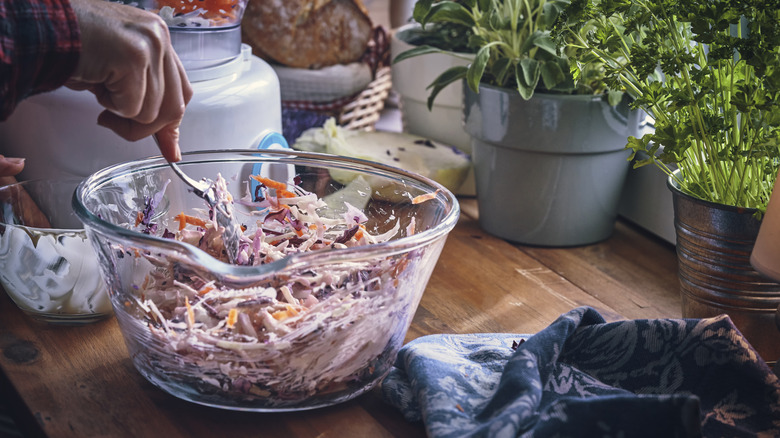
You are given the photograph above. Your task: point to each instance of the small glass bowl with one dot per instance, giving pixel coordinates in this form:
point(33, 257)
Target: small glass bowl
point(336, 349)
point(47, 264)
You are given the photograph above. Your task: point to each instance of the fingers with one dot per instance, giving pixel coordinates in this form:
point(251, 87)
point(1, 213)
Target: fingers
point(137, 90)
point(7, 180)
point(168, 142)
point(168, 91)
point(167, 136)
point(176, 95)
point(10, 166)
point(128, 63)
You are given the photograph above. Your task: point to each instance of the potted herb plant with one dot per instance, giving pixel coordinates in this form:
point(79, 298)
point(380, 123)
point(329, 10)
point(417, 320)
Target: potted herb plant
point(440, 121)
point(708, 72)
point(547, 135)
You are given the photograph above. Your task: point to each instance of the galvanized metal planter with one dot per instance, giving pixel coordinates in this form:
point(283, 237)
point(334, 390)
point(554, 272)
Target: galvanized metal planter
point(714, 243)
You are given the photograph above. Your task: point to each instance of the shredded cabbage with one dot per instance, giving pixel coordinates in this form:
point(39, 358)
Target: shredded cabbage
point(298, 335)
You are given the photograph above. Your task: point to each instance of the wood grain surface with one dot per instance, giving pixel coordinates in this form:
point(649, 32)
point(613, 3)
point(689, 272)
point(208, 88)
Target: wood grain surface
point(79, 381)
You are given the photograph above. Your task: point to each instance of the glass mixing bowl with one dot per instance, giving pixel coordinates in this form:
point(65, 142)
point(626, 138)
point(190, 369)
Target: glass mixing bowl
point(315, 352)
point(47, 265)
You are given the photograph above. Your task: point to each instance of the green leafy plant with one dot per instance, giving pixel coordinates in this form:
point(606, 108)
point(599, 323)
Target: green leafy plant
point(451, 37)
point(708, 72)
point(513, 46)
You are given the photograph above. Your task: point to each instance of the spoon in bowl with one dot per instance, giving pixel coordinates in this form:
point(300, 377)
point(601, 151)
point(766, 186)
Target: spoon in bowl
point(220, 205)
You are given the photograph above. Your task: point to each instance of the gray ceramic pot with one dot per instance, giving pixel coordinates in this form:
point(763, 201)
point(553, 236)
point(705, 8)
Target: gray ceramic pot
point(549, 171)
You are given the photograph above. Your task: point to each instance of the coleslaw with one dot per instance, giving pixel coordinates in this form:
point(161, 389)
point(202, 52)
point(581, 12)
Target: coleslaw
point(301, 337)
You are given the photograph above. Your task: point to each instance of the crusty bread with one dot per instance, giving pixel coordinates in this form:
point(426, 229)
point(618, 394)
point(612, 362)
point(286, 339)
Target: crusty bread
point(307, 33)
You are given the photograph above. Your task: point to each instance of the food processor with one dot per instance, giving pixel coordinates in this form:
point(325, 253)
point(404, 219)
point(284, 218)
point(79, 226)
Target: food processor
point(236, 100)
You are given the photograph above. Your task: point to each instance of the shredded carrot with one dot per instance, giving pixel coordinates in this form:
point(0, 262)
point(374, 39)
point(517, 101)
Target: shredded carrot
point(280, 315)
point(284, 314)
point(284, 194)
point(205, 290)
point(185, 219)
point(297, 231)
point(426, 197)
point(182, 220)
point(219, 12)
point(459, 407)
point(280, 187)
point(270, 183)
point(139, 218)
point(232, 318)
point(190, 312)
point(359, 234)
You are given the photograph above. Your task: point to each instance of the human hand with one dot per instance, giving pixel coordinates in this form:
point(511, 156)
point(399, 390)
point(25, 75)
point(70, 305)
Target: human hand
point(9, 167)
point(128, 63)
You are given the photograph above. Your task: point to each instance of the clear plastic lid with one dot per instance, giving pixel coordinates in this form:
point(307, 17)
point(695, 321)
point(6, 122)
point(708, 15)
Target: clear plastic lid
point(197, 14)
point(198, 50)
point(204, 33)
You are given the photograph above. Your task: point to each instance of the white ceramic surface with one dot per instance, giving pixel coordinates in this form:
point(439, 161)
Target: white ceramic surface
point(648, 203)
point(401, 12)
point(47, 264)
point(233, 105)
point(444, 122)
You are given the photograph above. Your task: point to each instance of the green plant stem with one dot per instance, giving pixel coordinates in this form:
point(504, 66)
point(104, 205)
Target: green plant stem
point(716, 107)
point(703, 144)
point(519, 37)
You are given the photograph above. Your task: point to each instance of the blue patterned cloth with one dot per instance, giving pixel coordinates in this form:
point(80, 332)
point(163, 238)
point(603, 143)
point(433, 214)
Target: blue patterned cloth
point(583, 377)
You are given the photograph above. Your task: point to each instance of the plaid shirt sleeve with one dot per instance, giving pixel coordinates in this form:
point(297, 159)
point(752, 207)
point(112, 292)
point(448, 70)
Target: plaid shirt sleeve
point(39, 48)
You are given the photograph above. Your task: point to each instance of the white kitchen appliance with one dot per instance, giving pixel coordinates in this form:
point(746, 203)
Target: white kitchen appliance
point(236, 102)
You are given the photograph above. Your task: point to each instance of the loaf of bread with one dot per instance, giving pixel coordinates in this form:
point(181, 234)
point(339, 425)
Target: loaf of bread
point(307, 33)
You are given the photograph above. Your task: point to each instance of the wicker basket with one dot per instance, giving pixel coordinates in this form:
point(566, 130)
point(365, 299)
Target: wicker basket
point(359, 111)
point(364, 110)
point(326, 96)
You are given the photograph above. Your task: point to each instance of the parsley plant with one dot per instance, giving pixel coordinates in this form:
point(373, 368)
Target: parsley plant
point(708, 72)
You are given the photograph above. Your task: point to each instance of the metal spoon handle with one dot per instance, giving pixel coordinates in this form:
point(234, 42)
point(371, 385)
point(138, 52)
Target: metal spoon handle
point(200, 188)
point(205, 189)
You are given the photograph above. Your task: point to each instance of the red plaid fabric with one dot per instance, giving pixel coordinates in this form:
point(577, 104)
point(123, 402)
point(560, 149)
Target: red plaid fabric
point(39, 48)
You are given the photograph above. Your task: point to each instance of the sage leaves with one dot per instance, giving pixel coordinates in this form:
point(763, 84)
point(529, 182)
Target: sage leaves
point(513, 47)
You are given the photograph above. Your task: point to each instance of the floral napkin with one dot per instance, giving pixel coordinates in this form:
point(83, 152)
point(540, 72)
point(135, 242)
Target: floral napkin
point(584, 377)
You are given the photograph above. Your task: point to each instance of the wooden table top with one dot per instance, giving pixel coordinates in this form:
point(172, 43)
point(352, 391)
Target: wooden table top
point(80, 382)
